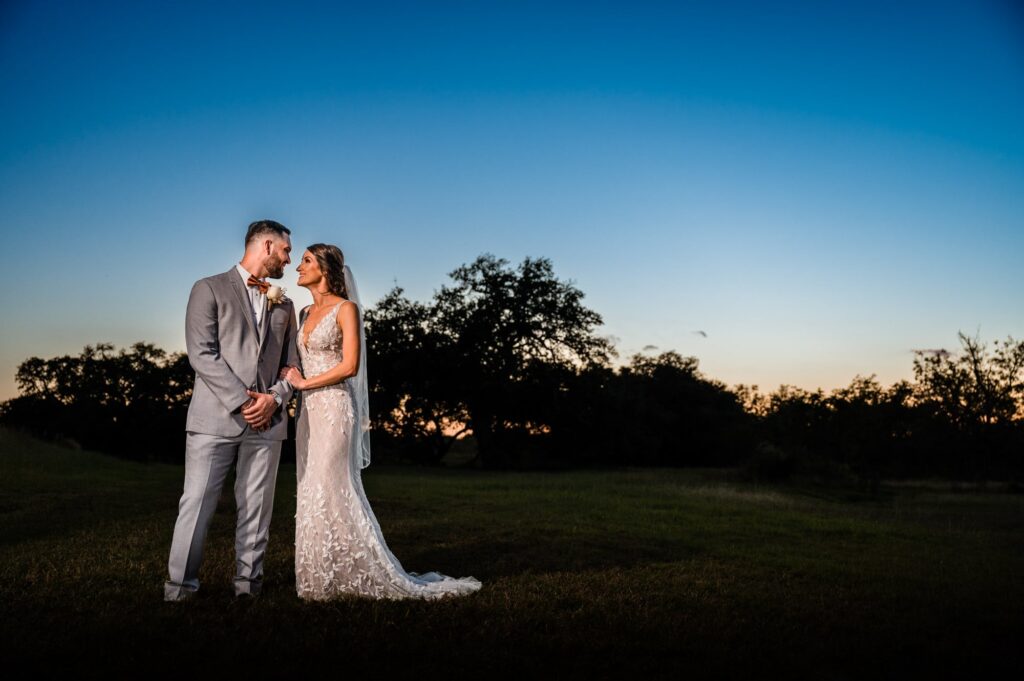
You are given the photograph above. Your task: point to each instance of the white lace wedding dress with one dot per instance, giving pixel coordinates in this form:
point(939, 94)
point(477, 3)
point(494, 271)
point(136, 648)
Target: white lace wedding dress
point(339, 547)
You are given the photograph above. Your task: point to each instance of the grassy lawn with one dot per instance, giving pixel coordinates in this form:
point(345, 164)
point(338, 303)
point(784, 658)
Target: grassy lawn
point(686, 573)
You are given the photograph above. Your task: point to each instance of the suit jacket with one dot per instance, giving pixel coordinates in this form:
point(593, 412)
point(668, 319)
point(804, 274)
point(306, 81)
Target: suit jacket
point(230, 354)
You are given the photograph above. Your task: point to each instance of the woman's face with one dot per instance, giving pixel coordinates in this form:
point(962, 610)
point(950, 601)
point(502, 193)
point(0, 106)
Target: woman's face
point(309, 270)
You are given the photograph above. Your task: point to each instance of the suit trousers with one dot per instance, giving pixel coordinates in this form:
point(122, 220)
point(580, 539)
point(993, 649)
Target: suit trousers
point(208, 458)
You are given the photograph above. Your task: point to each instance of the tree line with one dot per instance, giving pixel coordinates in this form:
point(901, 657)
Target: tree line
point(510, 355)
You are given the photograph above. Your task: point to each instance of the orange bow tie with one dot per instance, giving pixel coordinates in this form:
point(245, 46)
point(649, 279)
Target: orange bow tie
point(259, 283)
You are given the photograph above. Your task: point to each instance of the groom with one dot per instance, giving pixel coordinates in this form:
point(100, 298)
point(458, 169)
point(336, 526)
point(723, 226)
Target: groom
point(237, 342)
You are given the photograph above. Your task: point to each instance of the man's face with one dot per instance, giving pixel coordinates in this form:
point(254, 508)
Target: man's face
point(279, 256)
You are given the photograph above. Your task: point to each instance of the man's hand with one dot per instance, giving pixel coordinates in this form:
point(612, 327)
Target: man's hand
point(258, 410)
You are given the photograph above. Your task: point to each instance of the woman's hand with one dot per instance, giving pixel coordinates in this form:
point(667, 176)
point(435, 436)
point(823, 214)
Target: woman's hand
point(293, 376)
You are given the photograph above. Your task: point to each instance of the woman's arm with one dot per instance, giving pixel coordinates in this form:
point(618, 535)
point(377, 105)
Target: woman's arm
point(348, 322)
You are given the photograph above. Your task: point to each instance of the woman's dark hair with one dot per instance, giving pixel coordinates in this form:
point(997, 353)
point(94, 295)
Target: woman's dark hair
point(332, 264)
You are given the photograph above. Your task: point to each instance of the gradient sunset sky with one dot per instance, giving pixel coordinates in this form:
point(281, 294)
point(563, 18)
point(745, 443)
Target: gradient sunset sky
point(820, 187)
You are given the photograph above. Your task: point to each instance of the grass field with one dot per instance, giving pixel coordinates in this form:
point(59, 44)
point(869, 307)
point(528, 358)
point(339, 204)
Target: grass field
point(632, 573)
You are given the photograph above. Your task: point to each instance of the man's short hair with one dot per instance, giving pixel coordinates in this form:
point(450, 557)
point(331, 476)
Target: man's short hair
point(262, 228)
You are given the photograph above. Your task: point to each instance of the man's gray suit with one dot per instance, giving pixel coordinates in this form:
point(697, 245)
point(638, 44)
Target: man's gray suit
point(230, 354)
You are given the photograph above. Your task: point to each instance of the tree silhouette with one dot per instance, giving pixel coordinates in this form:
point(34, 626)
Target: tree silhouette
point(515, 335)
point(415, 404)
point(974, 387)
point(490, 353)
point(130, 402)
point(980, 392)
point(511, 355)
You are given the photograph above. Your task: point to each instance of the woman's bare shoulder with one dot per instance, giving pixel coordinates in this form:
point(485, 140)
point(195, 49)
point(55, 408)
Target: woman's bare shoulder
point(347, 310)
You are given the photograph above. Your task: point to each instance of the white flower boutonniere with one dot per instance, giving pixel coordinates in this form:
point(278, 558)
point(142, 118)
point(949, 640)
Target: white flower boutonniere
point(275, 296)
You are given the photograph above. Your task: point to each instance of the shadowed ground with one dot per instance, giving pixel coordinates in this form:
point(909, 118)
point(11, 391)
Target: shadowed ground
point(586, 574)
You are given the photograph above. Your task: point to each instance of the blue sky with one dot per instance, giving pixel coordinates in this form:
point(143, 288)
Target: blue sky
point(819, 186)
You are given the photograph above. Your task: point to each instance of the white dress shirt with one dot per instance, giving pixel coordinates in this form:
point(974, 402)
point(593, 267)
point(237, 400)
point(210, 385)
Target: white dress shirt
point(257, 298)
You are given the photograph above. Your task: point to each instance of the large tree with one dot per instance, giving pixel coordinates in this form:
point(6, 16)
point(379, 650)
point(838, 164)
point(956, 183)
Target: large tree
point(493, 349)
point(980, 392)
point(517, 332)
point(414, 404)
point(974, 387)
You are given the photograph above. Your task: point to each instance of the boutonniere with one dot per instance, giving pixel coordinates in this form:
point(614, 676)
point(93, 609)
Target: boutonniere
point(275, 296)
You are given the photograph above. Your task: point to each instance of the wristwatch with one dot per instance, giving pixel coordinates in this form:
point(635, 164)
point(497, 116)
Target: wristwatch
point(277, 398)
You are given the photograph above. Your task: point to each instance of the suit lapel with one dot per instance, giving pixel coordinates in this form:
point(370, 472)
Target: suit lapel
point(265, 324)
point(243, 300)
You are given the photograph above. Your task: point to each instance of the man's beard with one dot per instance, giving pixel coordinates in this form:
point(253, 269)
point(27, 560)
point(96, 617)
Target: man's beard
point(274, 266)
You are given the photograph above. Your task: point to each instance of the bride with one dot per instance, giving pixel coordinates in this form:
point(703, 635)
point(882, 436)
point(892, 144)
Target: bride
point(339, 547)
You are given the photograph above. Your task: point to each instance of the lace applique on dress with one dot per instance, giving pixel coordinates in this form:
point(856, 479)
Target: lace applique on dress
point(339, 547)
